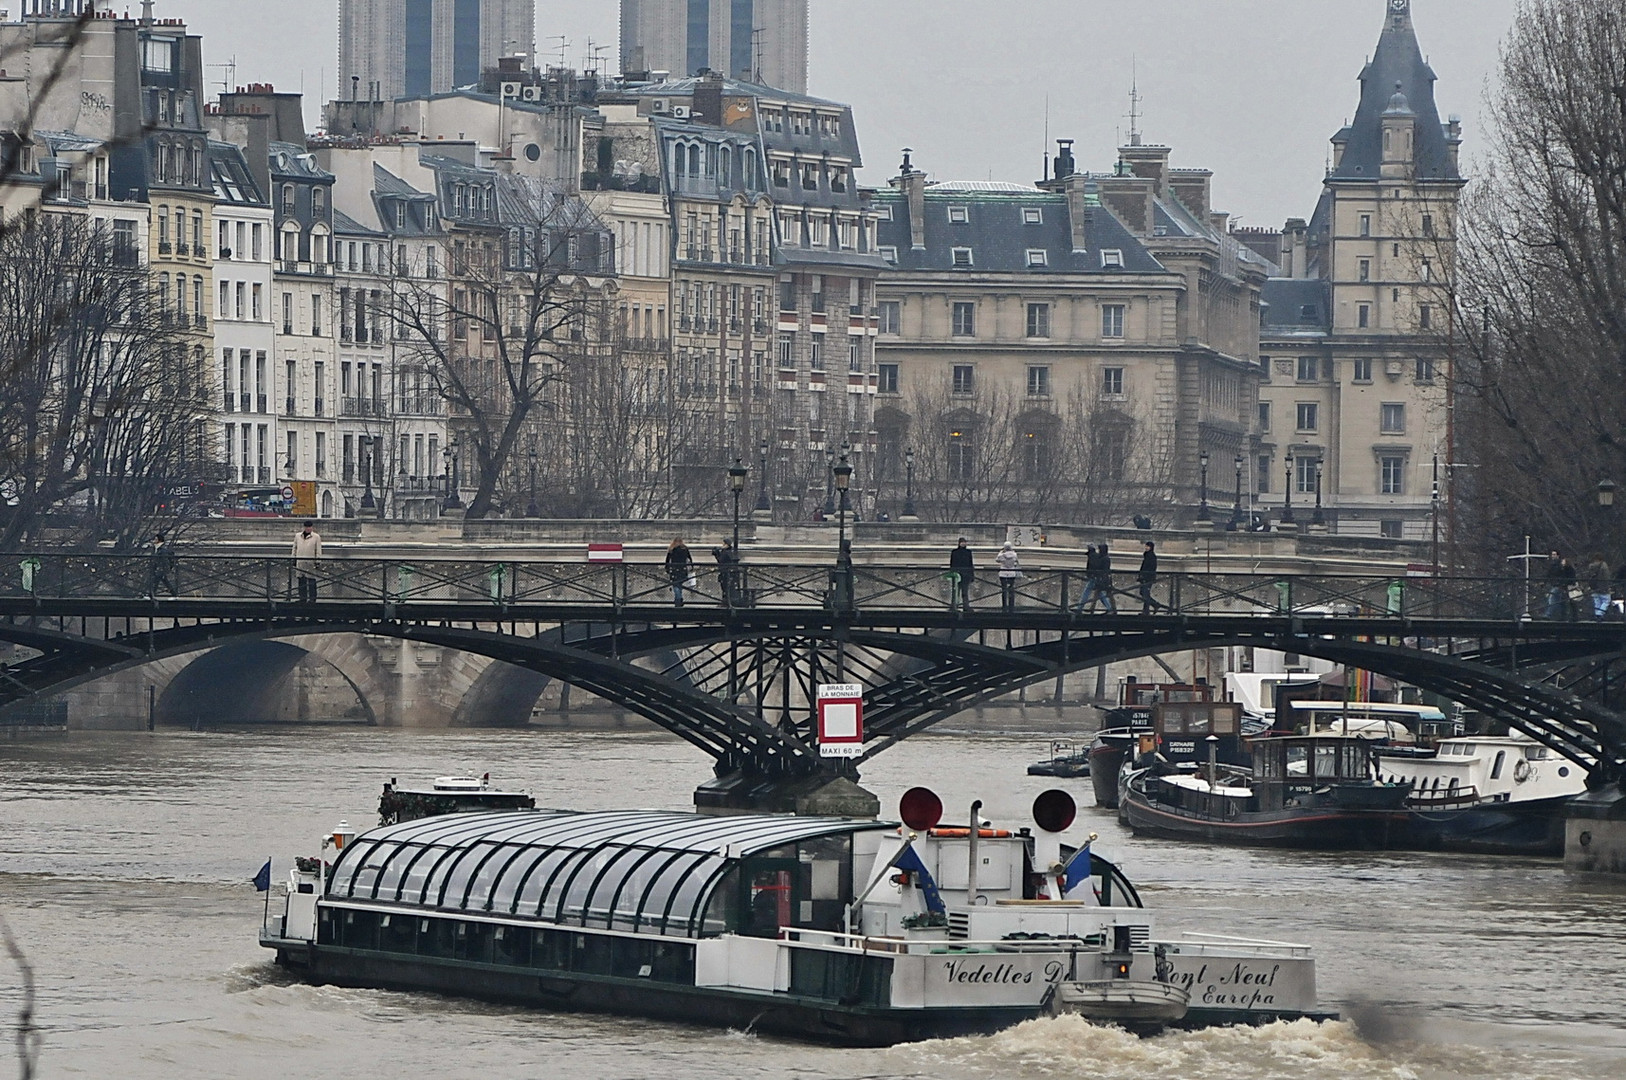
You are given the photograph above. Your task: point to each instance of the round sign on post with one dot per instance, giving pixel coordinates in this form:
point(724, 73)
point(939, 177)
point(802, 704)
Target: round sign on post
point(841, 720)
point(287, 494)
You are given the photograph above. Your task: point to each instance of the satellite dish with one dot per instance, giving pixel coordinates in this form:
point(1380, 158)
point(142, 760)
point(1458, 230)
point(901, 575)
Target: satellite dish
point(1054, 810)
point(920, 808)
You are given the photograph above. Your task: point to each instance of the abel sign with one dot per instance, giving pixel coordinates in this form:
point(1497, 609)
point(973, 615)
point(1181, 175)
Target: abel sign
point(841, 720)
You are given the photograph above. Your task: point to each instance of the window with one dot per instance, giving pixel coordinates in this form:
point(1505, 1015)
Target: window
point(962, 256)
point(855, 354)
point(1363, 316)
point(965, 319)
point(1038, 320)
point(787, 350)
point(316, 314)
point(886, 378)
point(1427, 270)
point(1428, 225)
point(962, 461)
point(1425, 317)
point(1112, 382)
point(287, 313)
point(1308, 416)
point(1361, 369)
point(891, 312)
point(1425, 370)
point(1038, 380)
point(1309, 369)
point(1038, 257)
point(965, 379)
point(1262, 474)
point(1112, 320)
point(1032, 215)
point(1264, 416)
point(1112, 259)
point(1366, 224)
point(1305, 470)
point(1391, 475)
point(1391, 530)
point(959, 215)
point(1392, 418)
point(1366, 270)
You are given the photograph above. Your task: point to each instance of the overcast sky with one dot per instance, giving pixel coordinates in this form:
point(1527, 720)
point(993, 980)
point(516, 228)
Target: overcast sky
point(1251, 89)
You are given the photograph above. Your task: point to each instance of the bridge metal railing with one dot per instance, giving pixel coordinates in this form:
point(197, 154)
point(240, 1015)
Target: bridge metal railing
point(512, 583)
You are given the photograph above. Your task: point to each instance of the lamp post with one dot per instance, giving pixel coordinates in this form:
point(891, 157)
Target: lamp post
point(1318, 518)
point(829, 490)
point(909, 483)
point(736, 483)
point(1202, 503)
point(764, 504)
point(367, 452)
point(450, 455)
point(531, 510)
point(1606, 493)
point(841, 475)
point(1236, 508)
point(1287, 493)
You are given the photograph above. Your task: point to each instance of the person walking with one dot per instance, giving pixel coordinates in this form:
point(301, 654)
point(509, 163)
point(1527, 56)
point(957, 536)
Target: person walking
point(307, 551)
point(679, 569)
point(962, 571)
point(1147, 578)
point(1597, 580)
point(728, 564)
point(1559, 576)
point(1097, 580)
point(1010, 572)
point(161, 568)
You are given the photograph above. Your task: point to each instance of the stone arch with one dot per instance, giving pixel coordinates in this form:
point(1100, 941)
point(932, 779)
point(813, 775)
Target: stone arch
point(503, 695)
point(259, 682)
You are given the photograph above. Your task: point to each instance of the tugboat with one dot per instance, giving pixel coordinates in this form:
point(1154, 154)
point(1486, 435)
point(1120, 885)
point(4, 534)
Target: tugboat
point(1311, 792)
point(1500, 795)
point(859, 933)
point(1065, 762)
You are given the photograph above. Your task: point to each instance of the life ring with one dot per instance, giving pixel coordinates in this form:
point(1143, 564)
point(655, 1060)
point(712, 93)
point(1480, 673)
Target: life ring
point(1522, 771)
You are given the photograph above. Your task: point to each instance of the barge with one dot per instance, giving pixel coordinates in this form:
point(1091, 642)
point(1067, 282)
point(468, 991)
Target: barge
point(853, 932)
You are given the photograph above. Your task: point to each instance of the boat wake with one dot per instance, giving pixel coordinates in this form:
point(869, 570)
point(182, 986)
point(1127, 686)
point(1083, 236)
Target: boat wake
point(1299, 1050)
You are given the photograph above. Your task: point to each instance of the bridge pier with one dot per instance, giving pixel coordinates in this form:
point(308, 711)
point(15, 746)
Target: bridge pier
point(1595, 834)
point(819, 795)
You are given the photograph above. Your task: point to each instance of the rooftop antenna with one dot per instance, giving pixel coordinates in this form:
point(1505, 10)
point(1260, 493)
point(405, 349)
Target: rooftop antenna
point(228, 83)
point(564, 49)
point(1044, 150)
point(1134, 103)
point(757, 34)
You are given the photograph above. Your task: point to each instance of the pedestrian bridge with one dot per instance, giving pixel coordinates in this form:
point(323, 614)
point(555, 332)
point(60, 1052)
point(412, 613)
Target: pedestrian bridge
point(735, 675)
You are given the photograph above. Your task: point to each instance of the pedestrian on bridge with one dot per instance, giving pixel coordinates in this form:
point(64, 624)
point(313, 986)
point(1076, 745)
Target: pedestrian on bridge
point(679, 569)
point(1148, 578)
point(1010, 572)
point(1597, 581)
point(1097, 579)
point(728, 569)
point(962, 571)
point(1560, 580)
point(307, 551)
point(161, 569)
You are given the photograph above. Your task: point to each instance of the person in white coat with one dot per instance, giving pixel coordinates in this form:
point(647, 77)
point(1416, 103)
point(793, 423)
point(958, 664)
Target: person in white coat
point(307, 550)
point(1010, 571)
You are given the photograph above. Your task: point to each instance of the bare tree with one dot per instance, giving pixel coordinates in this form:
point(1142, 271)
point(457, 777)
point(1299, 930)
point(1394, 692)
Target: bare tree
point(28, 1032)
point(100, 397)
point(1539, 323)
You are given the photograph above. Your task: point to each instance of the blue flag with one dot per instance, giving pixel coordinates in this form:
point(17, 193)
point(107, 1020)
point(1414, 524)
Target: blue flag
point(908, 859)
point(262, 880)
point(1076, 873)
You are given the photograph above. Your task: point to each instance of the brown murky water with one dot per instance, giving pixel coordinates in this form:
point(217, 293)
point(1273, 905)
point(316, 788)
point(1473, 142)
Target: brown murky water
point(125, 863)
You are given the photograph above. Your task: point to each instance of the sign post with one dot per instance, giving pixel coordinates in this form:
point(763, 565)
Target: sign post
point(841, 720)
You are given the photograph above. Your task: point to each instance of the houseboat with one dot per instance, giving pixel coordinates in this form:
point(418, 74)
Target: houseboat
point(1066, 761)
point(1486, 794)
point(1312, 792)
point(854, 932)
point(1123, 725)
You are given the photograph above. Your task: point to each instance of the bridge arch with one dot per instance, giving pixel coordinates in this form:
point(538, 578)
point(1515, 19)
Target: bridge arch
point(242, 682)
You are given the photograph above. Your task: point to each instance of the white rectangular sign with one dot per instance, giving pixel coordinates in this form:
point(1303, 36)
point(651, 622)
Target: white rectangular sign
point(841, 720)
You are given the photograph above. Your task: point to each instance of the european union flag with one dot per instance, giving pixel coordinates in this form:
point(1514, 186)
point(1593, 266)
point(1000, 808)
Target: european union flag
point(909, 859)
point(1076, 873)
point(262, 880)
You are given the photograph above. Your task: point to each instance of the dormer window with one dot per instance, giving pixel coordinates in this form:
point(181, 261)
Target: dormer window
point(1032, 215)
point(400, 215)
point(810, 177)
point(883, 213)
point(1038, 257)
point(1112, 258)
point(959, 215)
point(961, 256)
point(890, 254)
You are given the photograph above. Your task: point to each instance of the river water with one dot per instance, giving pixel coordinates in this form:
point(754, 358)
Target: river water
point(125, 862)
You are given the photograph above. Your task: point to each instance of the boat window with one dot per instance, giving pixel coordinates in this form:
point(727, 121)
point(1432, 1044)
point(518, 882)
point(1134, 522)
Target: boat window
point(1496, 768)
point(1453, 785)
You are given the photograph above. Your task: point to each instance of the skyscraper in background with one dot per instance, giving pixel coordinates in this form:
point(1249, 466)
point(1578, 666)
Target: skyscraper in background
point(761, 41)
point(408, 48)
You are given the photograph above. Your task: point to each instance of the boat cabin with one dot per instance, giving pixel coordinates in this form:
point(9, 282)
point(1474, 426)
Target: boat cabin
point(1182, 728)
point(1136, 700)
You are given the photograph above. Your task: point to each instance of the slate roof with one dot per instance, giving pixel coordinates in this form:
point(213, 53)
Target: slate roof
point(233, 180)
point(296, 162)
point(387, 183)
point(346, 225)
point(999, 238)
point(1297, 306)
point(1396, 66)
point(731, 87)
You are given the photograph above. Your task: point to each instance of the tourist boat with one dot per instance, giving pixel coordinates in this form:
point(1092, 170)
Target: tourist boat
point(1065, 761)
point(447, 795)
point(1122, 726)
point(1392, 722)
point(1315, 792)
point(1486, 794)
point(848, 931)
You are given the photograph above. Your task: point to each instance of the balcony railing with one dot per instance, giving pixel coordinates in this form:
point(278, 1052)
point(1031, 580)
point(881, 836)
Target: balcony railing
point(321, 468)
point(319, 410)
point(245, 402)
point(231, 402)
point(288, 406)
point(423, 405)
point(260, 403)
point(353, 406)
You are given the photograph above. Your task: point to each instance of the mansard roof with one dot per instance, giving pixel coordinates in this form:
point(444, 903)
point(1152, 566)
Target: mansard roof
point(1296, 306)
point(1397, 67)
point(1000, 234)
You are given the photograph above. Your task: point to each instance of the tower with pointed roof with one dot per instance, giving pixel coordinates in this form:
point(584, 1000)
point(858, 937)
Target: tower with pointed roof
point(1356, 338)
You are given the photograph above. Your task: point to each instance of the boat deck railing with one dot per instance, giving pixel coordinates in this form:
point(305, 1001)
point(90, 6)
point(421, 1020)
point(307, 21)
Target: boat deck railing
point(1193, 941)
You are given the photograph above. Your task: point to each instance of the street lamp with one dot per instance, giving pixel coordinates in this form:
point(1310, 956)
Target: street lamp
point(1606, 493)
point(909, 483)
point(367, 452)
point(829, 491)
point(1287, 496)
point(736, 483)
point(764, 504)
point(842, 475)
point(531, 509)
point(450, 456)
point(1202, 505)
point(1236, 509)
point(1318, 518)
